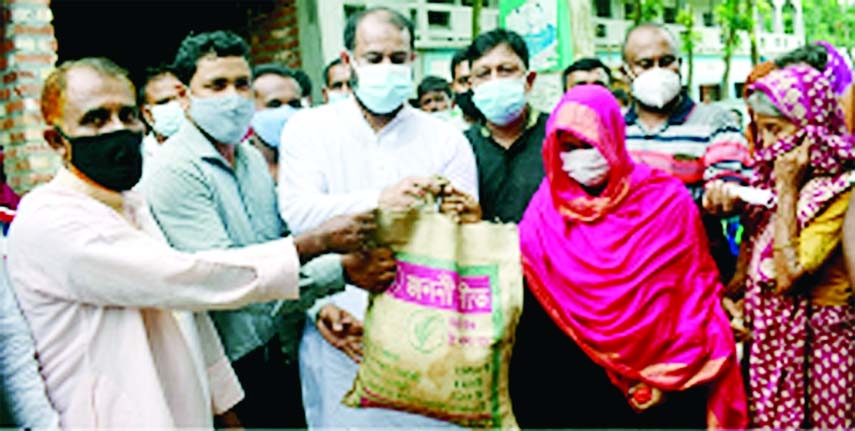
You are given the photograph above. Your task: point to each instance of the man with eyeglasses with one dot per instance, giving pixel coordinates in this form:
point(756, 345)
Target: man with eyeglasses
point(587, 71)
point(666, 129)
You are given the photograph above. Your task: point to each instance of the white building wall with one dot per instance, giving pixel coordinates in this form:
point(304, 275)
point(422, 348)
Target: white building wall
point(436, 42)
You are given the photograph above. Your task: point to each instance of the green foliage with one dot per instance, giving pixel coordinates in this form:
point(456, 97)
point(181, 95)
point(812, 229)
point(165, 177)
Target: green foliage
point(651, 10)
point(734, 16)
point(646, 10)
point(766, 14)
point(829, 20)
point(689, 37)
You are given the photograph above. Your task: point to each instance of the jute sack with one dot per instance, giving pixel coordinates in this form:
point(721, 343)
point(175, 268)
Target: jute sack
point(439, 340)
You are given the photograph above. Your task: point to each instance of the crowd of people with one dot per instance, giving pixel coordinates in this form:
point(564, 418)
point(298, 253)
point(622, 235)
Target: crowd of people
point(205, 255)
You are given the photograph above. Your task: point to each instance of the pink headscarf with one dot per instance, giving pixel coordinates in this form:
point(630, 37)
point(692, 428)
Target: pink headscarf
point(628, 275)
point(806, 98)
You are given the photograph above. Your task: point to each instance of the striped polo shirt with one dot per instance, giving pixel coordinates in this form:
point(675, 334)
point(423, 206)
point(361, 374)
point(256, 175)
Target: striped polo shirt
point(698, 143)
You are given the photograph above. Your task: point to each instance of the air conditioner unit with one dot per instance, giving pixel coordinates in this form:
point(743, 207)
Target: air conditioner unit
point(445, 26)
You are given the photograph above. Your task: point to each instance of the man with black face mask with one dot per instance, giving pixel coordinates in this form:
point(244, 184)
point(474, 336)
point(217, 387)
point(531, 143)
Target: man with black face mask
point(105, 295)
point(666, 129)
point(462, 88)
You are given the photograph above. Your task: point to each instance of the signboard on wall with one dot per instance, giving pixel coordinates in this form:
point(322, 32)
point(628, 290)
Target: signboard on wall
point(545, 27)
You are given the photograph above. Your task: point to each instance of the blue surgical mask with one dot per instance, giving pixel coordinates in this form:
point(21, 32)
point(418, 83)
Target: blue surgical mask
point(383, 88)
point(224, 118)
point(336, 96)
point(167, 118)
point(501, 100)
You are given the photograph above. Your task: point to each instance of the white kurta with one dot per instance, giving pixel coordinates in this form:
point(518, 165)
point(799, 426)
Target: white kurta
point(332, 163)
point(99, 287)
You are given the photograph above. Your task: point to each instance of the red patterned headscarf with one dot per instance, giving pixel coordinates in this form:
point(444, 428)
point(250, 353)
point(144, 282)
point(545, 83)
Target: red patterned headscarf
point(805, 97)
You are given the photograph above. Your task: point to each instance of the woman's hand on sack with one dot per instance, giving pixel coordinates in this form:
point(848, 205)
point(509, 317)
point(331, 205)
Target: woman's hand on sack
point(734, 310)
point(372, 270)
point(342, 330)
point(717, 199)
point(643, 396)
point(459, 205)
point(408, 192)
point(790, 167)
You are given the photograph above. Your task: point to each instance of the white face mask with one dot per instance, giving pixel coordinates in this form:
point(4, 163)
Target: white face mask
point(335, 96)
point(444, 115)
point(586, 166)
point(656, 87)
point(167, 118)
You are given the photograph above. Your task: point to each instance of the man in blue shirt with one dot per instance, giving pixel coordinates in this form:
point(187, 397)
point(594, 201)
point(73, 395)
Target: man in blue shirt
point(211, 189)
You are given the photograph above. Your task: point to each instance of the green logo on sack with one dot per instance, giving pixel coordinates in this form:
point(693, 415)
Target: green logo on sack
point(426, 330)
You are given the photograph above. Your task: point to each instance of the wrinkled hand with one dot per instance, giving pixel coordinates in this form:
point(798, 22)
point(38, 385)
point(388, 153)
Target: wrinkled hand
point(408, 192)
point(643, 396)
point(718, 200)
point(736, 314)
point(372, 270)
point(462, 207)
point(347, 233)
point(790, 167)
point(342, 330)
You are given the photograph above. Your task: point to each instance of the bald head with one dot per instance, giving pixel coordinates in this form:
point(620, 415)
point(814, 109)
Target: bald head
point(54, 92)
point(649, 33)
point(87, 97)
point(373, 17)
point(650, 45)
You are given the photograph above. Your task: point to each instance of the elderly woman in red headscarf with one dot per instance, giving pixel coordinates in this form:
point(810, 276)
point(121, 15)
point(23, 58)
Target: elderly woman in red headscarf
point(616, 259)
point(798, 301)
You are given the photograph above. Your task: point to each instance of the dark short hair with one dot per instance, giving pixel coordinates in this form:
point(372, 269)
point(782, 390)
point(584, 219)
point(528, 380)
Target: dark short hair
point(278, 70)
point(151, 74)
point(327, 69)
point(459, 57)
point(392, 17)
point(620, 94)
point(305, 82)
point(585, 65)
point(221, 43)
point(432, 84)
point(273, 69)
point(812, 54)
point(486, 42)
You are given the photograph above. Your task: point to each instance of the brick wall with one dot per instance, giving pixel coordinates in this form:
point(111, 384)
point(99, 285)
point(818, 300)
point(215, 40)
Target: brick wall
point(27, 55)
point(274, 34)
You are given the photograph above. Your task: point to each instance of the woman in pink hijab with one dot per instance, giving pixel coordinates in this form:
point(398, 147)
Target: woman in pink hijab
point(616, 255)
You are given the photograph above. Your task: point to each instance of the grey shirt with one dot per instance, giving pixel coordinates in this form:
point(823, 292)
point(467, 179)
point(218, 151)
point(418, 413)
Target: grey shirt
point(202, 203)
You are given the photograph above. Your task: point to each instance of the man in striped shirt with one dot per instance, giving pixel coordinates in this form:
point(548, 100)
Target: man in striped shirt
point(666, 129)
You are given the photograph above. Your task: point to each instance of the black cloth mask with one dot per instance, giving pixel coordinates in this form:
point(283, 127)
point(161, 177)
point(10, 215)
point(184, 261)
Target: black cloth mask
point(113, 160)
point(467, 106)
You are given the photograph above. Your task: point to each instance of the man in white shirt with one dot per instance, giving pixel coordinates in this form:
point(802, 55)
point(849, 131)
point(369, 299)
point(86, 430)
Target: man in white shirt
point(102, 290)
point(379, 152)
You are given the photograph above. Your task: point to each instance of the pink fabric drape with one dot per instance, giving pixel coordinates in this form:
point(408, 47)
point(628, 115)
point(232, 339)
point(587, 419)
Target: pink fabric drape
point(628, 275)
